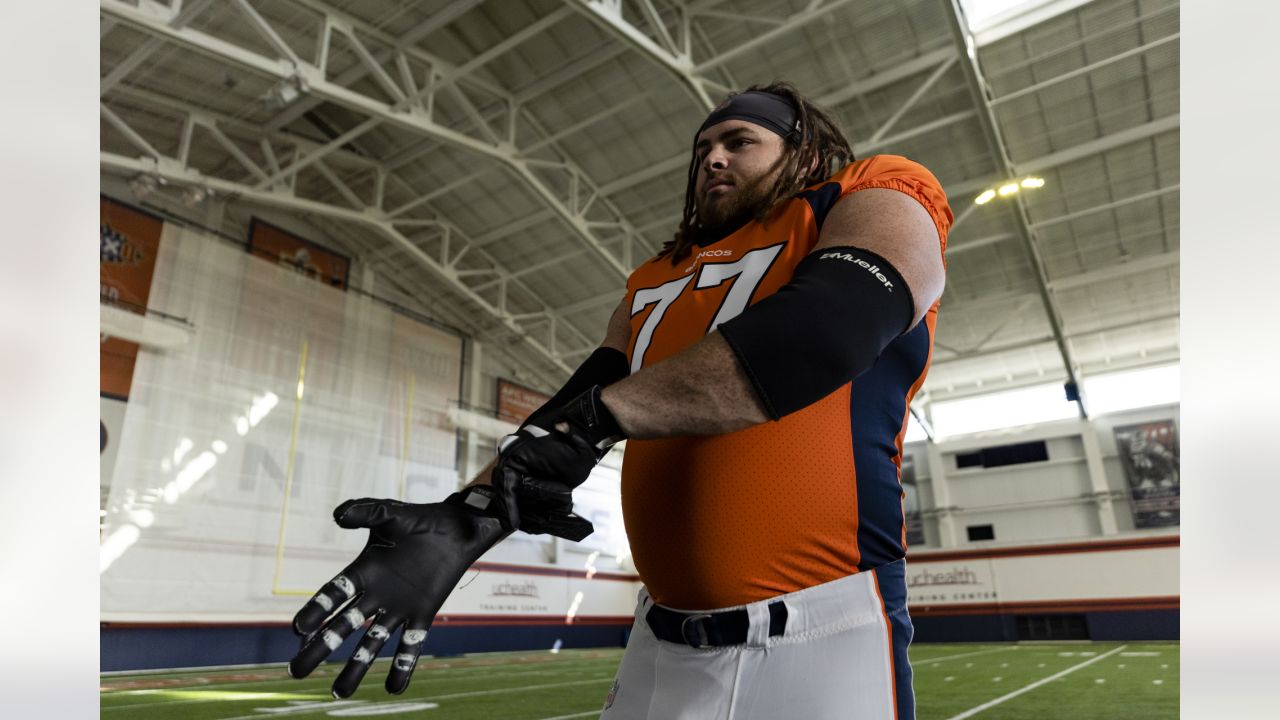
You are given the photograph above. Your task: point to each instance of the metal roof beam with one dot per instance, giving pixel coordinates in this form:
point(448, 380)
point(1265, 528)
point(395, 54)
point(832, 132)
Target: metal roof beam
point(178, 171)
point(1044, 339)
point(186, 12)
point(571, 71)
point(235, 126)
point(792, 24)
point(953, 249)
point(888, 76)
point(406, 118)
point(399, 48)
point(1108, 142)
point(1130, 200)
point(923, 88)
point(836, 97)
point(966, 45)
point(1114, 271)
point(172, 171)
point(607, 15)
point(506, 45)
point(1030, 89)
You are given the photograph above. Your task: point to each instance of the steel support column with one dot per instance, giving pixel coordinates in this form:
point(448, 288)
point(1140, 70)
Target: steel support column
point(995, 141)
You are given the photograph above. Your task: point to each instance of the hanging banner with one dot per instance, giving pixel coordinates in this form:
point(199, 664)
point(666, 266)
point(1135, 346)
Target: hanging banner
point(303, 256)
point(911, 503)
point(128, 242)
point(516, 402)
point(1149, 455)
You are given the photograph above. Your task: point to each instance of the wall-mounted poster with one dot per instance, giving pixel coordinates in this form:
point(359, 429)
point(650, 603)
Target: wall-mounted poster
point(303, 256)
point(128, 242)
point(911, 503)
point(516, 402)
point(1149, 455)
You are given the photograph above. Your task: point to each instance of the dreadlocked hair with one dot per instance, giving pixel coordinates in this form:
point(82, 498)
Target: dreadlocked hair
point(818, 138)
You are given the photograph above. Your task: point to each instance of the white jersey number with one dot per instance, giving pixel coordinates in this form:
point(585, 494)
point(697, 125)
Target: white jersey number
point(751, 267)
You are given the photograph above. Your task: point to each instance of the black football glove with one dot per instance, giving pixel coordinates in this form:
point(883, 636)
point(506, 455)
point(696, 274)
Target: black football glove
point(541, 464)
point(414, 557)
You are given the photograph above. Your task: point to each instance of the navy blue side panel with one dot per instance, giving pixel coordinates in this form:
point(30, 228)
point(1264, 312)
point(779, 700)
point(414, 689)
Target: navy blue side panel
point(821, 200)
point(1134, 625)
point(891, 581)
point(877, 404)
point(134, 648)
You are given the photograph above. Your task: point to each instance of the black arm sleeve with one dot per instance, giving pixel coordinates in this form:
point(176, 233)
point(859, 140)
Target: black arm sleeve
point(603, 367)
point(841, 309)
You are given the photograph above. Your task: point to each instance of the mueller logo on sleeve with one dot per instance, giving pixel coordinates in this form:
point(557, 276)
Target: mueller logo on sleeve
point(873, 269)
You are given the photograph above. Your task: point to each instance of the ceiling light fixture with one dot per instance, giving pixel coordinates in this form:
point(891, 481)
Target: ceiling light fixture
point(1008, 188)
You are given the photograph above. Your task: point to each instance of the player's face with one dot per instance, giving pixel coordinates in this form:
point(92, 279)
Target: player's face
point(738, 164)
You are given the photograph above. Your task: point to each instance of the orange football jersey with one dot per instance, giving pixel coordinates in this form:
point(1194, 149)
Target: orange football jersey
point(723, 520)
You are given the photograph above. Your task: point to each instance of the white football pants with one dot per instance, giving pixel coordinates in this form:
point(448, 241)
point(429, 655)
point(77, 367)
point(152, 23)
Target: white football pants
point(842, 655)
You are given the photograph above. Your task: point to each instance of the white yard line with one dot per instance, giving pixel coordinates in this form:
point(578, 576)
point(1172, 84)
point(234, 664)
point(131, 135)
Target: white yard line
point(495, 671)
point(588, 713)
point(325, 691)
point(321, 692)
point(476, 693)
point(961, 655)
point(303, 710)
point(215, 686)
point(987, 705)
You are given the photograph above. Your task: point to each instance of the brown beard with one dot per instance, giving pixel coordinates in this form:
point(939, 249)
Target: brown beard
point(727, 215)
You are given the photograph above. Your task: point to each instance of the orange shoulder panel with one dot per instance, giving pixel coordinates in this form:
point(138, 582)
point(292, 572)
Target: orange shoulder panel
point(895, 172)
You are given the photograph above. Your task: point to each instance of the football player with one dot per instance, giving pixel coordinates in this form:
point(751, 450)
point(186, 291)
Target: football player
point(761, 367)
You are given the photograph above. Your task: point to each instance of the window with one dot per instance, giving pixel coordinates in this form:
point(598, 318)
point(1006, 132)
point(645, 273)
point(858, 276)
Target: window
point(990, 20)
point(981, 532)
point(1025, 406)
point(1001, 455)
point(1118, 391)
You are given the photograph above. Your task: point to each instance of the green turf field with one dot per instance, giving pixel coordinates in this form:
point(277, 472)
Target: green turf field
point(1095, 681)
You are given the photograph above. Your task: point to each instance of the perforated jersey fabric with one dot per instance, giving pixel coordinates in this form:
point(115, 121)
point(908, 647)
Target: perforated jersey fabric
point(724, 520)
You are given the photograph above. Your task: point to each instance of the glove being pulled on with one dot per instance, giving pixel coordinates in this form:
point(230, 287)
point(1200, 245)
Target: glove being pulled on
point(542, 462)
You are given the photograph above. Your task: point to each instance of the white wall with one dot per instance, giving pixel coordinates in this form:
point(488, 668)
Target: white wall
point(1081, 491)
point(1098, 571)
point(197, 526)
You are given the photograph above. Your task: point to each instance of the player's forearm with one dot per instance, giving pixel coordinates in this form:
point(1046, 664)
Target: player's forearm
point(703, 390)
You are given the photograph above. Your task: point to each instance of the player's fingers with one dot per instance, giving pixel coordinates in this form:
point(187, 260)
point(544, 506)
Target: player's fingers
point(318, 647)
point(406, 657)
point(374, 638)
point(333, 595)
point(364, 512)
point(549, 493)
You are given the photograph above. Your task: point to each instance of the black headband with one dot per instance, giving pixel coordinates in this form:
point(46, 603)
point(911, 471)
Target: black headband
point(772, 112)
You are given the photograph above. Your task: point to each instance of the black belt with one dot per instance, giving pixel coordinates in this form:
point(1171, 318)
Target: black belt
point(727, 627)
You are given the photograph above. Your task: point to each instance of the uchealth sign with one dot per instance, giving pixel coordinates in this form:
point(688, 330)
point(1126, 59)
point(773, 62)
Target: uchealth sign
point(485, 592)
point(950, 582)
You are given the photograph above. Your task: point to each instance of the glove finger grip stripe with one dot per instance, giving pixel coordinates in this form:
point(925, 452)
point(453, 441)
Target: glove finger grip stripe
point(334, 594)
point(406, 657)
point(354, 671)
point(330, 637)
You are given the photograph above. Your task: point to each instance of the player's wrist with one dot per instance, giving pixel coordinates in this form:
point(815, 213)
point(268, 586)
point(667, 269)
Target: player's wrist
point(485, 501)
point(589, 414)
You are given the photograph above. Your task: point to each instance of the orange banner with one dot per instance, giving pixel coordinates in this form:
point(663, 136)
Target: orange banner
point(517, 402)
point(129, 240)
point(271, 243)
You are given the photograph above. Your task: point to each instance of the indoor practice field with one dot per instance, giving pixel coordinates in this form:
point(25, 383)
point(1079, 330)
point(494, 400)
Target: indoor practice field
point(1025, 681)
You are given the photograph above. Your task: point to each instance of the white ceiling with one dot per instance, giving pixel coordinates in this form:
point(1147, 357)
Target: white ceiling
point(507, 162)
